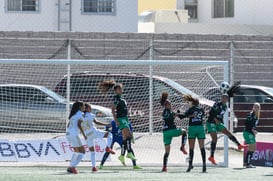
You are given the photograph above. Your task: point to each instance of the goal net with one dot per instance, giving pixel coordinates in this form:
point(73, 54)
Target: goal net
point(36, 95)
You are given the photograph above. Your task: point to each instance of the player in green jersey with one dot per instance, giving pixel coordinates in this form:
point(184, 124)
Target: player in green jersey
point(120, 111)
point(196, 129)
point(170, 130)
point(250, 133)
point(215, 123)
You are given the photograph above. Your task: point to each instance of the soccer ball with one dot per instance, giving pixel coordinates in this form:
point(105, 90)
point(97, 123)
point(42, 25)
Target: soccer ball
point(224, 86)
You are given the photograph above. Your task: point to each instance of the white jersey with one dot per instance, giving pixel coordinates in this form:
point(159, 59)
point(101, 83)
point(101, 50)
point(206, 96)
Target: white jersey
point(88, 124)
point(73, 128)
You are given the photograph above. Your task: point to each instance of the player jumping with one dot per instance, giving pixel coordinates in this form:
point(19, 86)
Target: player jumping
point(215, 123)
point(120, 111)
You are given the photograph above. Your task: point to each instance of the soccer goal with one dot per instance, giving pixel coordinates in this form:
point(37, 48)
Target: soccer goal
point(36, 95)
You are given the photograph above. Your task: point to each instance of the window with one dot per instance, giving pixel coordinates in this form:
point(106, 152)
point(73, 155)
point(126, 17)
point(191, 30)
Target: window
point(191, 6)
point(98, 6)
point(223, 8)
point(23, 5)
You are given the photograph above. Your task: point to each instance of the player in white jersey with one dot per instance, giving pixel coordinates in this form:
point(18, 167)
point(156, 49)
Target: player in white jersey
point(92, 132)
point(72, 135)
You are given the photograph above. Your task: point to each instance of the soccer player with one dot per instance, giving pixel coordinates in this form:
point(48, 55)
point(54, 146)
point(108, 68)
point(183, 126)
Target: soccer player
point(215, 123)
point(92, 132)
point(117, 138)
point(72, 135)
point(196, 129)
point(250, 133)
point(170, 130)
point(120, 111)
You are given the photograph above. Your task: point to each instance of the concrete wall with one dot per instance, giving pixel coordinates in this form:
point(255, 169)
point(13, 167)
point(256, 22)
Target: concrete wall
point(253, 55)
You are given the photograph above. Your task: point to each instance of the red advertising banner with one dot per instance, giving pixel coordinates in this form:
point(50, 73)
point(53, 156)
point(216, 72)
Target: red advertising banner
point(263, 156)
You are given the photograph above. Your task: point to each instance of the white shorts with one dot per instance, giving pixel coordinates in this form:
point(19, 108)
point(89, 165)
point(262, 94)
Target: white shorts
point(94, 134)
point(74, 140)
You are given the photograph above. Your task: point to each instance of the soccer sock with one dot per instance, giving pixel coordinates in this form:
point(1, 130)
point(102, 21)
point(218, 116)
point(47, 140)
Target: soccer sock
point(234, 140)
point(104, 158)
point(92, 158)
point(109, 139)
point(191, 157)
point(212, 149)
point(73, 159)
point(184, 138)
point(129, 148)
point(133, 161)
point(248, 157)
point(203, 154)
point(123, 147)
point(79, 158)
point(165, 159)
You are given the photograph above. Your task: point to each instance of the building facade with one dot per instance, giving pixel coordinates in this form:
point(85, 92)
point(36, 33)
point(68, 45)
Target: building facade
point(69, 15)
point(217, 17)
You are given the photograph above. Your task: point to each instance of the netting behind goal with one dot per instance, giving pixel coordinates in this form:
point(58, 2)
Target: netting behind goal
point(33, 96)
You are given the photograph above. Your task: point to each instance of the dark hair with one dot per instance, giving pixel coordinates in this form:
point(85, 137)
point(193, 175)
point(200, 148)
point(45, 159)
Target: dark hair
point(86, 106)
point(106, 85)
point(164, 98)
point(189, 98)
point(75, 107)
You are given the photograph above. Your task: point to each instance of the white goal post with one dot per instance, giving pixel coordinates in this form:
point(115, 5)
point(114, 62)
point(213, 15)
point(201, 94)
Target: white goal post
point(155, 75)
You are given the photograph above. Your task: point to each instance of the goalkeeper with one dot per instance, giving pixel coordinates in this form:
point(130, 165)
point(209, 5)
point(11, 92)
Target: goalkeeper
point(117, 138)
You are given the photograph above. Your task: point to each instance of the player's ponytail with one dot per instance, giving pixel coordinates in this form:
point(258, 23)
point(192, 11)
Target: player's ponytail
point(189, 98)
point(258, 112)
point(163, 98)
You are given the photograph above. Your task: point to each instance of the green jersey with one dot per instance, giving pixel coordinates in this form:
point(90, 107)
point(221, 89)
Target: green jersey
point(251, 122)
point(168, 117)
point(121, 106)
point(217, 111)
point(195, 115)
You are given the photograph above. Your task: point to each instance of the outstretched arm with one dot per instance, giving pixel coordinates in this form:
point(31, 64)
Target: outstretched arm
point(100, 123)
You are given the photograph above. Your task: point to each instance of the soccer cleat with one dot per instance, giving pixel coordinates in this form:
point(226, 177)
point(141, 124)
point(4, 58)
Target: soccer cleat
point(94, 169)
point(211, 159)
point(137, 167)
point(242, 146)
point(164, 169)
point(122, 160)
point(109, 150)
point(189, 168)
point(182, 148)
point(72, 170)
point(101, 167)
point(131, 156)
point(250, 166)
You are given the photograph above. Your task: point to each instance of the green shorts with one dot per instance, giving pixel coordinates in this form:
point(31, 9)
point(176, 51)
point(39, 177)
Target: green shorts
point(249, 137)
point(196, 132)
point(169, 134)
point(212, 127)
point(123, 123)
